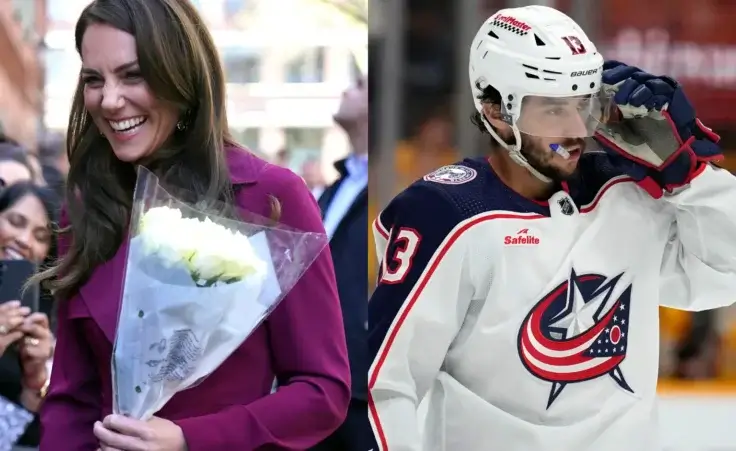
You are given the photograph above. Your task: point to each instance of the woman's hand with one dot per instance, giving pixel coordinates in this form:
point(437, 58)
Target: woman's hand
point(35, 350)
point(12, 315)
point(31, 400)
point(119, 433)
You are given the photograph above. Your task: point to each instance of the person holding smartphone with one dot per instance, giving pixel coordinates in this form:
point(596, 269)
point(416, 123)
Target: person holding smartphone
point(26, 341)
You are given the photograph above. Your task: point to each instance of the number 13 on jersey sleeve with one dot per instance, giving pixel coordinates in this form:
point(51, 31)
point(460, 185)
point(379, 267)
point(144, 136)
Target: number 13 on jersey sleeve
point(416, 309)
point(405, 245)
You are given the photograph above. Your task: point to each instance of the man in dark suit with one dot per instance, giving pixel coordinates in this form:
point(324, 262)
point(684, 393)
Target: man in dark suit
point(344, 207)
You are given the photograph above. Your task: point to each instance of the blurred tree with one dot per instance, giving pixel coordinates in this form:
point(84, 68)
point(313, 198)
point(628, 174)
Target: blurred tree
point(299, 15)
point(356, 10)
point(280, 22)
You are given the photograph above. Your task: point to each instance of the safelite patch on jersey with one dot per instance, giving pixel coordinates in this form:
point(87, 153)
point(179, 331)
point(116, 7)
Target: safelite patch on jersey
point(451, 175)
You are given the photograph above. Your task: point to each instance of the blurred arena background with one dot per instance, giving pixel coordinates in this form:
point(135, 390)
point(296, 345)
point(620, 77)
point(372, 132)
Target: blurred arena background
point(420, 110)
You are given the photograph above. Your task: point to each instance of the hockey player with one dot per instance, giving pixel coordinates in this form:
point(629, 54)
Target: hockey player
point(518, 296)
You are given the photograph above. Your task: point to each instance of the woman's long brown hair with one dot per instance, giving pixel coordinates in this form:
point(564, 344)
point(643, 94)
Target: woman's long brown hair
point(180, 63)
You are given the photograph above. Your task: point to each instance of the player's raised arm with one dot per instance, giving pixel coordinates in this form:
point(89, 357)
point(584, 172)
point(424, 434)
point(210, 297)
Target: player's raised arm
point(699, 265)
point(416, 310)
point(669, 155)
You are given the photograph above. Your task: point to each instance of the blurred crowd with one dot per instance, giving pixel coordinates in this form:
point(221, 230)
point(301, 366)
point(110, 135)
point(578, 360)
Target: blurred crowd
point(32, 188)
point(434, 110)
point(25, 227)
point(312, 171)
point(342, 196)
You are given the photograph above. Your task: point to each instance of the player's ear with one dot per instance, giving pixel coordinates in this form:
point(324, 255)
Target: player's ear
point(492, 113)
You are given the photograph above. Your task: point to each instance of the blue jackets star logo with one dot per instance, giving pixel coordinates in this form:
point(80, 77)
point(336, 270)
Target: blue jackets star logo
point(577, 332)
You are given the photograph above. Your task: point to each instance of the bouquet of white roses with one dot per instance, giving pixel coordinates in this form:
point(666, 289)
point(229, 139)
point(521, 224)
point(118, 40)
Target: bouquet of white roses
point(196, 286)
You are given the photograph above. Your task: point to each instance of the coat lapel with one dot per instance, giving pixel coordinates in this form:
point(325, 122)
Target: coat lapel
point(326, 198)
point(101, 294)
point(359, 202)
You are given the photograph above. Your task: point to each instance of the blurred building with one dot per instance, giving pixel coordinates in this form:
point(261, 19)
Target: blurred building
point(21, 95)
point(287, 64)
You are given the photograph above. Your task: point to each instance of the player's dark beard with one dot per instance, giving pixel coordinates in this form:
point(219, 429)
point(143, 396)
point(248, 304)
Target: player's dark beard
point(539, 157)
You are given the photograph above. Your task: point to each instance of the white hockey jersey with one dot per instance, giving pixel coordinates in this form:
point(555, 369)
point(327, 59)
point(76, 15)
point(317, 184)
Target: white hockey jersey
point(534, 326)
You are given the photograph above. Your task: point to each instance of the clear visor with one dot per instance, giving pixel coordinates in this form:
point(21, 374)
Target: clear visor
point(564, 117)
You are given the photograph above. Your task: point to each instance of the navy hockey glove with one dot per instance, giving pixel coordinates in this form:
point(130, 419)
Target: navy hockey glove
point(655, 127)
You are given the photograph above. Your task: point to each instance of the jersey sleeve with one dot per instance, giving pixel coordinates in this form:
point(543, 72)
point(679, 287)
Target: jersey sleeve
point(699, 265)
point(381, 226)
point(416, 310)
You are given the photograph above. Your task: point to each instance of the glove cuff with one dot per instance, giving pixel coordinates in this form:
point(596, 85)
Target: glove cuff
point(702, 132)
point(651, 186)
point(697, 170)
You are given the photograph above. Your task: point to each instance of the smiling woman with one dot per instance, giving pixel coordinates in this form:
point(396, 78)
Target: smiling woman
point(151, 92)
point(26, 213)
point(121, 104)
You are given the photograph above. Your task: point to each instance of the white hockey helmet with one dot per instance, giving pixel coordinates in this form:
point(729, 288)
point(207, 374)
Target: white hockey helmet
point(547, 71)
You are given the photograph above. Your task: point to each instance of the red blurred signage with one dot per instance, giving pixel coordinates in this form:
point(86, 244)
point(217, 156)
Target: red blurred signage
point(692, 41)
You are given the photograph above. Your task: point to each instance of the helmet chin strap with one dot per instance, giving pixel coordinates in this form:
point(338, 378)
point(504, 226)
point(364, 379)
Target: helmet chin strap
point(514, 151)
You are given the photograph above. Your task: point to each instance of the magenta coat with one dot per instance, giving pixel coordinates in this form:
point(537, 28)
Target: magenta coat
point(302, 343)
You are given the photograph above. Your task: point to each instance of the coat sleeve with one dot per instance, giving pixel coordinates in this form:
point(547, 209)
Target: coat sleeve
point(699, 265)
point(73, 402)
point(416, 310)
point(309, 352)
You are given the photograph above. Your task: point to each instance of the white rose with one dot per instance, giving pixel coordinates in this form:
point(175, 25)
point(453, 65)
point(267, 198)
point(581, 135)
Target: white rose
point(165, 234)
point(186, 237)
point(242, 260)
point(158, 216)
point(223, 254)
point(210, 251)
point(206, 262)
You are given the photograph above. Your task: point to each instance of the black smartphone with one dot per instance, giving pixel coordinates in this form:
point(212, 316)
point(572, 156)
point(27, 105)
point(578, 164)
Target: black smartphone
point(13, 276)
